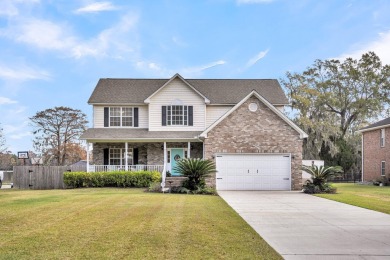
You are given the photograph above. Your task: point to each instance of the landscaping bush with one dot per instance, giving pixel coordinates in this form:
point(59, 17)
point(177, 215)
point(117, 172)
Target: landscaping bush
point(319, 177)
point(196, 170)
point(139, 179)
point(155, 187)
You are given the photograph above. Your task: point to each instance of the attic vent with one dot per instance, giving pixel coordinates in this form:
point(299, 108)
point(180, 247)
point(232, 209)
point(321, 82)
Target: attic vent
point(252, 107)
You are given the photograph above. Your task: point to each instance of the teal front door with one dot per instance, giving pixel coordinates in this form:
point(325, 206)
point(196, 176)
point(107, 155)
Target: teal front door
point(176, 155)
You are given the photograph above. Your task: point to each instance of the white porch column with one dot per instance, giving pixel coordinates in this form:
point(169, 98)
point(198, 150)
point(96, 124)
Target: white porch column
point(126, 157)
point(164, 172)
point(87, 157)
point(188, 150)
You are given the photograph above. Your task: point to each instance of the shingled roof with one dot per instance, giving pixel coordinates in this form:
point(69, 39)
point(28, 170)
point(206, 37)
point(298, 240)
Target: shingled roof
point(379, 124)
point(218, 91)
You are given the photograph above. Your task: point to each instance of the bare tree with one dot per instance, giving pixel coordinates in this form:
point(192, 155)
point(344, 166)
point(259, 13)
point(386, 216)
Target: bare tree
point(56, 130)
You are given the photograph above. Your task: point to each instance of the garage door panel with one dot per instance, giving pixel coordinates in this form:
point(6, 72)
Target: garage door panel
point(253, 172)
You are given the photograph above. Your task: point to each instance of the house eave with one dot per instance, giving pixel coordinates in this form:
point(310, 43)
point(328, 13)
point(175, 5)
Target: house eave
point(373, 128)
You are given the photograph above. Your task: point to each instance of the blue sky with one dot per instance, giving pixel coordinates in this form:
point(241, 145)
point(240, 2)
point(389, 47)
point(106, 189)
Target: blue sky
point(54, 51)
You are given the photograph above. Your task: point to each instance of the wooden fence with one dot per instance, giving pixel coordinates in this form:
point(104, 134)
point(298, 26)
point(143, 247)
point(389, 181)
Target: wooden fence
point(42, 177)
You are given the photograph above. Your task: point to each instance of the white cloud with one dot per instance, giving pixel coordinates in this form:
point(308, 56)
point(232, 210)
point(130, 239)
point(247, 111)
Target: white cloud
point(23, 73)
point(10, 7)
point(47, 35)
point(197, 70)
point(186, 72)
point(39, 33)
point(380, 46)
point(256, 58)
point(96, 7)
point(240, 2)
point(117, 39)
point(7, 101)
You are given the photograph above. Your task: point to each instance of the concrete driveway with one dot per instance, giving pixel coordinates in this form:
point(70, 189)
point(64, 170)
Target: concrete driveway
point(301, 226)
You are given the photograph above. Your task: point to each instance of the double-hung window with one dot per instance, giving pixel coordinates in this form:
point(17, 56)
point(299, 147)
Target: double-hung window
point(121, 116)
point(383, 168)
point(383, 134)
point(177, 115)
point(117, 156)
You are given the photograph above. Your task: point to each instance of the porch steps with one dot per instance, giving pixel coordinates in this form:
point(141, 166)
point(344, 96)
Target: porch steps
point(174, 181)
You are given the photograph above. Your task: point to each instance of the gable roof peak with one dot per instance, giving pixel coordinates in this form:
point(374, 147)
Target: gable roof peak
point(177, 75)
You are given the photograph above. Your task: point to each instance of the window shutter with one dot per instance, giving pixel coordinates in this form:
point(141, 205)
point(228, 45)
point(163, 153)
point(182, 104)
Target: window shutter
point(106, 116)
point(190, 115)
point(105, 156)
point(164, 116)
point(136, 117)
point(135, 156)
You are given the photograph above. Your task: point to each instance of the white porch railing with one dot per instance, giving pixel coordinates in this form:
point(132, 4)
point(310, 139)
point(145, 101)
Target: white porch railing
point(138, 167)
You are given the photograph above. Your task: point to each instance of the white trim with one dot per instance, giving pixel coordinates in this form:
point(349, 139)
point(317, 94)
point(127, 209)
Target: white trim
point(373, 128)
point(87, 157)
point(302, 134)
point(177, 75)
point(127, 157)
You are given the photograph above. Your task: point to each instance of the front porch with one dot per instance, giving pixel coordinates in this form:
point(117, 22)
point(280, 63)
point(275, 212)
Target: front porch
point(150, 156)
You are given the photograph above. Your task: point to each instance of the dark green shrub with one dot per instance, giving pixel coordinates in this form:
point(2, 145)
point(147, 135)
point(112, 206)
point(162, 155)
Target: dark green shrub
point(319, 177)
point(196, 170)
point(180, 189)
point(123, 179)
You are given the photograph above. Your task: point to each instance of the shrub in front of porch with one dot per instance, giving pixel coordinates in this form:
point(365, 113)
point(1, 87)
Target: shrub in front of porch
point(139, 179)
point(196, 170)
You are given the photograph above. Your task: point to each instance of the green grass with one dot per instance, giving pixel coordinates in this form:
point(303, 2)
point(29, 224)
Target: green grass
point(365, 196)
point(123, 224)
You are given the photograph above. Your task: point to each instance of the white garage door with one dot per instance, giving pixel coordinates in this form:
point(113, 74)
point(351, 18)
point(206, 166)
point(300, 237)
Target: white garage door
point(253, 172)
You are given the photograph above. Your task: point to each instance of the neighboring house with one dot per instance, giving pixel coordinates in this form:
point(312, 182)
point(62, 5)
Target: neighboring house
point(238, 123)
point(376, 151)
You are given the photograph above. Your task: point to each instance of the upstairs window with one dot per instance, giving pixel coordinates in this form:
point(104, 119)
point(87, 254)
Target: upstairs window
point(121, 117)
point(383, 134)
point(177, 115)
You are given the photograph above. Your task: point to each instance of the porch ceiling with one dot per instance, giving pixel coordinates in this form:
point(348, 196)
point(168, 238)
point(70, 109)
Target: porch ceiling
point(138, 135)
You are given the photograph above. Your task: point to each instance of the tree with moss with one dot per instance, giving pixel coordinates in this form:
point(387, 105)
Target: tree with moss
point(333, 98)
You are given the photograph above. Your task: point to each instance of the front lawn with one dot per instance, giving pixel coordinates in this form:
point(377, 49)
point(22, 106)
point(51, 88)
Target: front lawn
point(110, 223)
point(365, 196)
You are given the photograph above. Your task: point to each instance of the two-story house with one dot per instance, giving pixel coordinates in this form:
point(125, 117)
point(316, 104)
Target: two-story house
point(376, 151)
point(238, 123)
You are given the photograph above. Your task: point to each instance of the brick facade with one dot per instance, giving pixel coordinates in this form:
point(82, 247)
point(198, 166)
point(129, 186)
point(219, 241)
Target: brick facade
point(374, 154)
point(262, 131)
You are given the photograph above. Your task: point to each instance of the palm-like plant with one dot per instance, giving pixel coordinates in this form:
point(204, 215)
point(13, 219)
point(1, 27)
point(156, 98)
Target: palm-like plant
point(196, 170)
point(319, 177)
